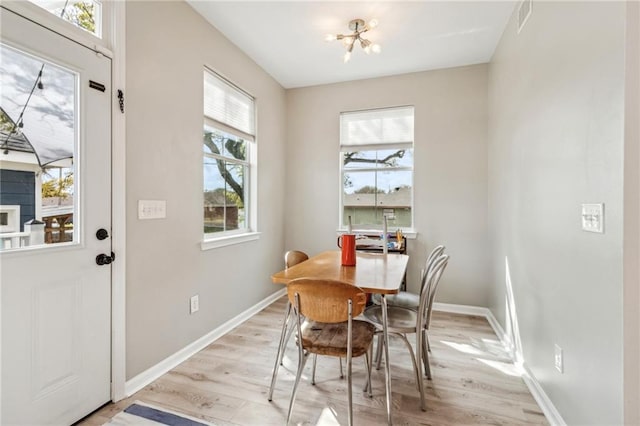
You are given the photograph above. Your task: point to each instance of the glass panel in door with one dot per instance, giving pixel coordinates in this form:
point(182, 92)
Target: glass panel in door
point(38, 140)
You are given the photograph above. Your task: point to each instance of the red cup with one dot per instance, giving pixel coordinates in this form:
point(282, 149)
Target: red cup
point(347, 242)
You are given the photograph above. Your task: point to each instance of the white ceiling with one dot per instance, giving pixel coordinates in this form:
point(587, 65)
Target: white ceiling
point(286, 38)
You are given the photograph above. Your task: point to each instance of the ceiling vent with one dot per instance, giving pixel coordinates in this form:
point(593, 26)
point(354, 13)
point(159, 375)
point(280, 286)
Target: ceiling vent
point(524, 11)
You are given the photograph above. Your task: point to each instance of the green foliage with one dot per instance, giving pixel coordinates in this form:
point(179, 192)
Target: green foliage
point(58, 187)
point(80, 13)
point(6, 126)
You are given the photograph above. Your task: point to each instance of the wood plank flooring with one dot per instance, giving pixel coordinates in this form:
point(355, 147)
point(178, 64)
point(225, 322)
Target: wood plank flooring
point(227, 382)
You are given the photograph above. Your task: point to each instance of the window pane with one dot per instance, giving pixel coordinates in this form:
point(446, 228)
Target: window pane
point(224, 193)
point(368, 196)
point(213, 142)
point(85, 14)
point(222, 143)
point(38, 121)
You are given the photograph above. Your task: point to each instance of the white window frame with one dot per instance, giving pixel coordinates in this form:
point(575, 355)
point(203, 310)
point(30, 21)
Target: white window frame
point(346, 146)
point(104, 43)
point(249, 232)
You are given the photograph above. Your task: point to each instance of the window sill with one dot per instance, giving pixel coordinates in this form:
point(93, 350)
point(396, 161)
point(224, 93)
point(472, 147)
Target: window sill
point(409, 234)
point(229, 240)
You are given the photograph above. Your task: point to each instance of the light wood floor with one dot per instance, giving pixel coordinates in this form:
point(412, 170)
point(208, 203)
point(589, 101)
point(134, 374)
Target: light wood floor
point(227, 383)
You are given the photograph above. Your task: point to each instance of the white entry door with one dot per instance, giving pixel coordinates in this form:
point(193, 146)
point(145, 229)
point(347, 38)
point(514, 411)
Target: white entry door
point(56, 299)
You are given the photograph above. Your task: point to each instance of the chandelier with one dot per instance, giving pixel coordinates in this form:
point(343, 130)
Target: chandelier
point(359, 27)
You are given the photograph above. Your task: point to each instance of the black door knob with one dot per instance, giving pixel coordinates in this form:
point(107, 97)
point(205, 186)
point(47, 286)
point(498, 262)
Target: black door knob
point(103, 259)
point(102, 234)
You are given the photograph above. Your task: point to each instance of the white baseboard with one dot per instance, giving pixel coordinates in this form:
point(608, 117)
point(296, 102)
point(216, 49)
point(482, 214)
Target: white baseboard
point(547, 407)
point(143, 379)
point(549, 410)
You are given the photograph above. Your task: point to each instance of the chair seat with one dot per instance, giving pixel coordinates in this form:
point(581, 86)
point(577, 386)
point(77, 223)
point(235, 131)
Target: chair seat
point(402, 299)
point(331, 339)
point(399, 319)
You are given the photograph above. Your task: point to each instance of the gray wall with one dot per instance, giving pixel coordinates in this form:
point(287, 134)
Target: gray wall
point(556, 108)
point(551, 128)
point(450, 181)
point(167, 47)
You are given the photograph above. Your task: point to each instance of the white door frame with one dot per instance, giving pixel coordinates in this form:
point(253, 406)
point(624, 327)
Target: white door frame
point(113, 46)
point(118, 206)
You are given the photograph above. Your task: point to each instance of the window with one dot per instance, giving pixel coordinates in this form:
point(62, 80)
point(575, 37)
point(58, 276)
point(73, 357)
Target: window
point(377, 168)
point(228, 143)
point(85, 14)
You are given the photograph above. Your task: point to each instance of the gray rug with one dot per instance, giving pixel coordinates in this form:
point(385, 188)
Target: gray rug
point(140, 413)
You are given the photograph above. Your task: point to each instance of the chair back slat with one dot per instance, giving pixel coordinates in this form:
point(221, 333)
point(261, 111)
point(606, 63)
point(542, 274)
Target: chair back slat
point(431, 259)
point(430, 284)
point(293, 257)
point(326, 300)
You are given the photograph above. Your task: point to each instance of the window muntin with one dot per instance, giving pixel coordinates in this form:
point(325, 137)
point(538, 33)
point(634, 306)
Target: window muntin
point(85, 14)
point(229, 125)
point(377, 168)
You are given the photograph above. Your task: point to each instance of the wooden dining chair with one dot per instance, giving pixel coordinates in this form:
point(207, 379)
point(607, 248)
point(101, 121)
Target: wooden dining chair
point(403, 320)
point(324, 312)
point(293, 257)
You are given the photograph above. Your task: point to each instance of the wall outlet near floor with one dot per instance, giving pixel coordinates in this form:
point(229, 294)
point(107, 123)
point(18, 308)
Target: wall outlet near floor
point(194, 304)
point(559, 359)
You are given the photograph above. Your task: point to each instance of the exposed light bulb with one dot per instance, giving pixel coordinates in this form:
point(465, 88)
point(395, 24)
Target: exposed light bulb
point(373, 23)
point(348, 41)
point(347, 56)
point(330, 37)
point(375, 48)
point(366, 45)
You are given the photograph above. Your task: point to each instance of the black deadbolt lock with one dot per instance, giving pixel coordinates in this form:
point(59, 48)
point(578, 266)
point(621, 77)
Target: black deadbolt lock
point(102, 234)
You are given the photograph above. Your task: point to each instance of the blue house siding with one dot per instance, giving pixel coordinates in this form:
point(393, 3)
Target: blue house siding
point(19, 188)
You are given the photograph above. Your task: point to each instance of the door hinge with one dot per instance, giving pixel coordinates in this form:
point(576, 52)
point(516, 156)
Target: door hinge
point(121, 100)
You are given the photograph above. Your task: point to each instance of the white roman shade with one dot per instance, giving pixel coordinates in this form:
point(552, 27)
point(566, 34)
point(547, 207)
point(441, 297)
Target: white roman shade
point(376, 129)
point(229, 107)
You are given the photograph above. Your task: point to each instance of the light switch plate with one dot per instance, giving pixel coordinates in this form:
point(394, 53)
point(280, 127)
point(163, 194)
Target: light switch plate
point(152, 209)
point(593, 217)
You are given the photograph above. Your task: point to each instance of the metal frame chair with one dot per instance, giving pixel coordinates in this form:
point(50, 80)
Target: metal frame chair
point(408, 299)
point(291, 258)
point(324, 312)
point(402, 321)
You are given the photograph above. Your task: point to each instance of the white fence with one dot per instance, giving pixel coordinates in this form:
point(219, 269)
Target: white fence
point(32, 235)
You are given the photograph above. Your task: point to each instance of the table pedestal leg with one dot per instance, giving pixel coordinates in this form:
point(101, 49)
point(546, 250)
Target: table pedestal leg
point(285, 323)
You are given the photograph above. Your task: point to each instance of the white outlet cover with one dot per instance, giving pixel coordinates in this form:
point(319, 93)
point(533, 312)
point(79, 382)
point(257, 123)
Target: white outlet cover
point(593, 217)
point(194, 304)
